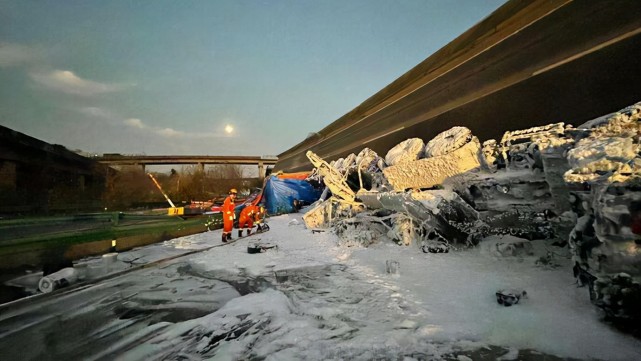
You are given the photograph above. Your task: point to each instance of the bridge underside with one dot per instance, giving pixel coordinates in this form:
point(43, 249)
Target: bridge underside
point(529, 63)
point(37, 177)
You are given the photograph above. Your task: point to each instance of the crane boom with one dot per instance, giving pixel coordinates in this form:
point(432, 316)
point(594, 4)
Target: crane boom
point(161, 191)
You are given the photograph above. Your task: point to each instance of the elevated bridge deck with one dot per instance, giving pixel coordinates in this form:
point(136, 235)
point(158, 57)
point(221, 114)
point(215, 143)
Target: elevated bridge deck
point(529, 63)
point(201, 160)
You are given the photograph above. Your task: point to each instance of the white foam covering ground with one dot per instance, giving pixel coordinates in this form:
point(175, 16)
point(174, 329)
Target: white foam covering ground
point(313, 300)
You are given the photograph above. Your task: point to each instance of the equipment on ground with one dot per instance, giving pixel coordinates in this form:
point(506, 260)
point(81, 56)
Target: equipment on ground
point(260, 247)
point(263, 227)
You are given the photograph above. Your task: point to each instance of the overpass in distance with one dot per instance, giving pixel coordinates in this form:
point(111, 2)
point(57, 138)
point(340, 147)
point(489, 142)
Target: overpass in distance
point(529, 63)
point(200, 160)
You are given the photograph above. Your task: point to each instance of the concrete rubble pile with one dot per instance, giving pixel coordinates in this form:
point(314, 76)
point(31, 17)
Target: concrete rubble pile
point(579, 188)
point(450, 153)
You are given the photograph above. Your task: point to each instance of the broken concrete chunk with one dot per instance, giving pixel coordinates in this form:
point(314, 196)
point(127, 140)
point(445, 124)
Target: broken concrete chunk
point(490, 153)
point(406, 151)
point(624, 123)
point(403, 230)
point(439, 212)
point(332, 178)
point(448, 141)
point(366, 159)
point(429, 172)
point(579, 187)
point(348, 163)
point(555, 165)
point(323, 214)
point(518, 189)
point(509, 297)
point(530, 134)
point(518, 148)
point(590, 150)
point(606, 239)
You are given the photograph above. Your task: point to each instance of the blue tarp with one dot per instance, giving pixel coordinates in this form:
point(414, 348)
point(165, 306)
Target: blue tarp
point(279, 194)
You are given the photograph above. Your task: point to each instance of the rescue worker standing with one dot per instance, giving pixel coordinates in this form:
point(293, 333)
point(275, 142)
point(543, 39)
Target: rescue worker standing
point(247, 217)
point(228, 214)
point(260, 220)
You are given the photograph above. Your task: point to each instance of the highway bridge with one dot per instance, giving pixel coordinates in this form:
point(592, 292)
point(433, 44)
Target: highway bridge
point(529, 63)
point(38, 177)
point(200, 160)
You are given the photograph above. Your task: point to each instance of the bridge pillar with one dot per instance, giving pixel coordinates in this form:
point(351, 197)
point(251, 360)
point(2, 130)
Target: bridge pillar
point(201, 167)
point(143, 167)
point(261, 171)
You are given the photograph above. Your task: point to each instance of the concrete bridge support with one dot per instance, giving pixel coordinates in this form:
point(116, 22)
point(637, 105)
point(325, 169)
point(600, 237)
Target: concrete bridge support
point(261, 170)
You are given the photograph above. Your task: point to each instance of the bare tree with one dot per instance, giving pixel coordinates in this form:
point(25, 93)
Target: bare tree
point(132, 186)
point(221, 178)
point(128, 187)
point(192, 184)
point(226, 171)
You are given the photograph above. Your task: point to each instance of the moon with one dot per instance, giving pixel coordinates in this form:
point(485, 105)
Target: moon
point(229, 129)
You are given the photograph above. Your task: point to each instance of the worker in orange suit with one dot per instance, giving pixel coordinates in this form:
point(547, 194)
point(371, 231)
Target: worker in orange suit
point(248, 215)
point(228, 214)
point(260, 220)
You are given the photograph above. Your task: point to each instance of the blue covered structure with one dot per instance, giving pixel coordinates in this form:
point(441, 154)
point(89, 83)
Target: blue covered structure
point(279, 194)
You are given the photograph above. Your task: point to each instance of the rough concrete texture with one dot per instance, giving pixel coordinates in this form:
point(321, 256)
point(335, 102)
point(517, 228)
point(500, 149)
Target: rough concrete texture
point(332, 177)
point(366, 158)
point(610, 151)
point(448, 141)
point(429, 172)
point(578, 188)
point(406, 151)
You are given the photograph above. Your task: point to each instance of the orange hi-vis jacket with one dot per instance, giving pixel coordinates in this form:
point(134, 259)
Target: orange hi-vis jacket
point(228, 214)
point(248, 215)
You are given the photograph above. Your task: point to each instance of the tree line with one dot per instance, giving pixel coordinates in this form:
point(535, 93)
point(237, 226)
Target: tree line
point(131, 187)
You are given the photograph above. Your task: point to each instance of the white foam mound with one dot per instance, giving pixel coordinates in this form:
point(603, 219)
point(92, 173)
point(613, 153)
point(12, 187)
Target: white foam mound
point(406, 151)
point(613, 149)
point(365, 158)
point(448, 141)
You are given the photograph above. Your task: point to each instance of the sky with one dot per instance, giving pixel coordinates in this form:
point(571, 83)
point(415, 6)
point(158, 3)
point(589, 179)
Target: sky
point(219, 77)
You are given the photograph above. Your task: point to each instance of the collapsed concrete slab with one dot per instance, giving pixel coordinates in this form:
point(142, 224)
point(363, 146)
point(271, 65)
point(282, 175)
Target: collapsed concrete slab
point(406, 151)
point(430, 172)
point(605, 176)
point(578, 187)
point(442, 213)
point(519, 148)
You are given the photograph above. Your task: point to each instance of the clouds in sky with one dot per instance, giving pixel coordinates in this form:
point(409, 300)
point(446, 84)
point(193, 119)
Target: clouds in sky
point(82, 90)
point(136, 124)
point(12, 55)
point(17, 57)
point(67, 82)
point(100, 113)
point(170, 132)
